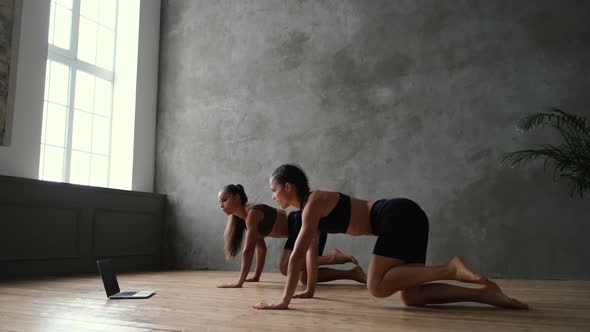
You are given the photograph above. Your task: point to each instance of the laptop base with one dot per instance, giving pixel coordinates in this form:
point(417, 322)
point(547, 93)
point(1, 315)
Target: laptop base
point(132, 295)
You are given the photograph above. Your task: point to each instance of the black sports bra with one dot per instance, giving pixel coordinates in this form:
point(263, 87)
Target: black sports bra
point(339, 218)
point(268, 221)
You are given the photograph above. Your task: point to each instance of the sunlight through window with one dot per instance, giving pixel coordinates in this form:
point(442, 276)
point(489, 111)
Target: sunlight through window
point(78, 105)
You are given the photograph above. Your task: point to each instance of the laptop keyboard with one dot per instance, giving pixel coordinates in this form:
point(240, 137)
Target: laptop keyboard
point(126, 293)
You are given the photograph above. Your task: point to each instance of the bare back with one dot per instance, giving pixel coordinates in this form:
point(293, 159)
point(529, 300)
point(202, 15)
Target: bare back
point(281, 227)
point(280, 223)
point(360, 223)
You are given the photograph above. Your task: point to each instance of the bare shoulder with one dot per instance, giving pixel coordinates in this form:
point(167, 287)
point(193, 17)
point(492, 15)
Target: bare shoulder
point(322, 202)
point(254, 216)
point(319, 195)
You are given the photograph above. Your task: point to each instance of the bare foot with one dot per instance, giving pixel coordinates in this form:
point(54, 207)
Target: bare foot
point(462, 273)
point(493, 295)
point(359, 275)
point(341, 258)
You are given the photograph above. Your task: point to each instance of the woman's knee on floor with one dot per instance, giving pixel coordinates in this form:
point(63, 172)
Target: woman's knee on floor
point(378, 289)
point(412, 297)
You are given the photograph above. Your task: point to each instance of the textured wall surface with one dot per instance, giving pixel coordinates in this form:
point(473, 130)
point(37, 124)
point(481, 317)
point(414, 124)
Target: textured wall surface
point(376, 99)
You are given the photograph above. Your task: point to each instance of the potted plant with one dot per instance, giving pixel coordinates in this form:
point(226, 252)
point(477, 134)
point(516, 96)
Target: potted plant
point(570, 159)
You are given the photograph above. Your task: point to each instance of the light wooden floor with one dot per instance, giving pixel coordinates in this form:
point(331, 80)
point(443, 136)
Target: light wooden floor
point(189, 301)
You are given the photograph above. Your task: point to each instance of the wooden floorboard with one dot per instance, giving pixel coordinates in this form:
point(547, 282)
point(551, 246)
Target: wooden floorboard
point(189, 301)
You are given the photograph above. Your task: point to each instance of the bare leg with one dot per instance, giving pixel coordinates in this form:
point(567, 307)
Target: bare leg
point(327, 274)
point(336, 256)
point(436, 293)
point(356, 273)
point(389, 275)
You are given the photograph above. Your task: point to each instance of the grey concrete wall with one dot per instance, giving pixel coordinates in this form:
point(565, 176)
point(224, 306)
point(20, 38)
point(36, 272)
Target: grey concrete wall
point(376, 99)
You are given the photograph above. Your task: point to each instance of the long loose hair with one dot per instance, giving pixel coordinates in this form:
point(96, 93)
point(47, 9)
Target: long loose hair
point(235, 227)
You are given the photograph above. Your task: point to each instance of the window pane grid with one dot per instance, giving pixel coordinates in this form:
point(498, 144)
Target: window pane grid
point(53, 163)
point(85, 85)
point(97, 37)
point(60, 24)
point(62, 30)
point(82, 131)
point(66, 3)
point(94, 114)
point(53, 145)
point(87, 42)
point(93, 153)
point(68, 101)
point(49, 102)
point(102, 12)
point(59, 83)
point(98, 24)
point(56, 123)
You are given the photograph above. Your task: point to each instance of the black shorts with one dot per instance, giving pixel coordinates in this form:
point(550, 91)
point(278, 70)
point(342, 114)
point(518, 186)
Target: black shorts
point(294, 224)
point(402, 230)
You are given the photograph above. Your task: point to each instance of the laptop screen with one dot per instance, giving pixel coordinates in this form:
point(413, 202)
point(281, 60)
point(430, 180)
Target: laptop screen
point(109, 279)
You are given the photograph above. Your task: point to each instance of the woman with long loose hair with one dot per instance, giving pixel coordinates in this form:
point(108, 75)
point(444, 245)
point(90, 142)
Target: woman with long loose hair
point(251, 223)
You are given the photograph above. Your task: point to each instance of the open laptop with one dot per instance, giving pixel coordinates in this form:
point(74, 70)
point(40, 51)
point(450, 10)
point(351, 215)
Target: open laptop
point(111, 286)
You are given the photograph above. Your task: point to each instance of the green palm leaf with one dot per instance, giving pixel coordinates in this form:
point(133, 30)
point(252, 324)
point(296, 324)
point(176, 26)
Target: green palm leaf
point(570, 160)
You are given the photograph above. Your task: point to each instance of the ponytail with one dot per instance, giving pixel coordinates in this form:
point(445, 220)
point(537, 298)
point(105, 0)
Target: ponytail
point(234, 230)
point(233, 236)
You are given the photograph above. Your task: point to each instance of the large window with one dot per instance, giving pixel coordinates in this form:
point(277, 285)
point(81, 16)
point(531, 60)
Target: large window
point(78, 103)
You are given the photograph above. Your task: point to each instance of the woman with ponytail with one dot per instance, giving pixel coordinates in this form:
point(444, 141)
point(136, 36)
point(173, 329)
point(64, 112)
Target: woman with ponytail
point(399, 255)
point(256, 221)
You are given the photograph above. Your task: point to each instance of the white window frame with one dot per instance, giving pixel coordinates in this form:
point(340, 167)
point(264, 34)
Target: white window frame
point(69, 59)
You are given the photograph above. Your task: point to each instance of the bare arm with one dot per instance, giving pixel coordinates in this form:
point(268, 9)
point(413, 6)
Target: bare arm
point(248, 251)
point(311, 262)
point(285, 261)
point(304, 240)
point(260, 259)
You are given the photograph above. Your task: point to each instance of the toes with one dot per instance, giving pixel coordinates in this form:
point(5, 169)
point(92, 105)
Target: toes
point(490, 282)
point(483, 280)
point(519, 304)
